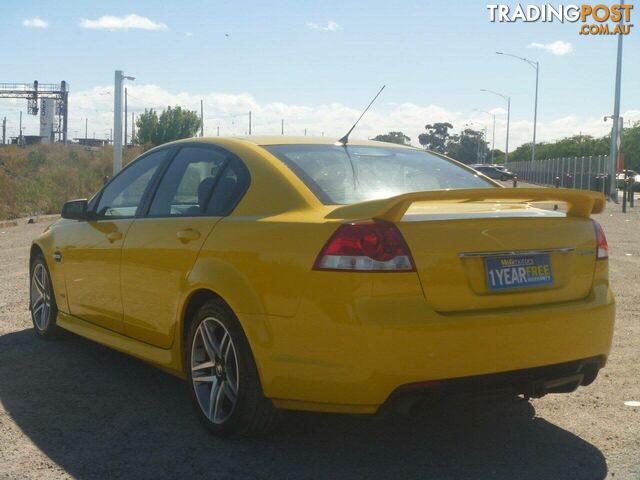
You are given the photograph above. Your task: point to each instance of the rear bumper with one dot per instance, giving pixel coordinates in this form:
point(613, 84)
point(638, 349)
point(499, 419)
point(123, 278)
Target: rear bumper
point(530, 382)
point(352, 354)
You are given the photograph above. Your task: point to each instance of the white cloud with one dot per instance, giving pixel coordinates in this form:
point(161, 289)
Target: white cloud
point(35, 22)
point(127, 22)
point(331, 26)
point(188, 34)
point(556, 48)
point(230, 112)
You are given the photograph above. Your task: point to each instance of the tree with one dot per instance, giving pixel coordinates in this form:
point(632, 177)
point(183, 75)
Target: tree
point(172, 124)
point(147, 128)
point(467, 147)
point(575, 146)
point(436, 137)
point(393, 137)
point(631, 147)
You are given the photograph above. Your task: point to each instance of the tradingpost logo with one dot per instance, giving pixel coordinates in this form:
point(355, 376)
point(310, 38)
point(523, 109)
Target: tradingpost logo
point(600, 19)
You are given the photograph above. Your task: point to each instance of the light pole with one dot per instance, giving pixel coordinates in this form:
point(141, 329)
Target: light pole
point(493, 133)
point(614, 149)
point(536, 66)
point(117, 120)
point(508, 99)
point(617, 125)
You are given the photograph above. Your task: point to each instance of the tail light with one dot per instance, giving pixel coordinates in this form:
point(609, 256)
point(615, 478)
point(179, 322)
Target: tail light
point(367, 246)
point(602, 247)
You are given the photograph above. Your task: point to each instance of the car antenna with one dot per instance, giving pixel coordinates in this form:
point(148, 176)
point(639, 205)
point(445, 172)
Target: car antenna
point(344, 140)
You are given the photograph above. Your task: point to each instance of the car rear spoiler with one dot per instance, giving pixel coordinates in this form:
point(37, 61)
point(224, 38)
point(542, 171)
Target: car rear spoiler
point(580, 203)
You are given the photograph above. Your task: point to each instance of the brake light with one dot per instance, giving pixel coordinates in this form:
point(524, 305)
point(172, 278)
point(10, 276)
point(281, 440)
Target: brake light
point(367, 246)
point(602, 247)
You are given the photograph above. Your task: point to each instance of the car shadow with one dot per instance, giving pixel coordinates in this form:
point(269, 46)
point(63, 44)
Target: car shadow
point(101, 414)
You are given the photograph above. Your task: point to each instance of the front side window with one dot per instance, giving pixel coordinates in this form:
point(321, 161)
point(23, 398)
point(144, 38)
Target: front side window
point(188, 184)
point(343, 175)
point(123, 195)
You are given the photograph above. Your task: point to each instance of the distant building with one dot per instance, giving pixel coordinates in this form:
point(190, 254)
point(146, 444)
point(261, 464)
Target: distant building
point(27, 140)
point(92, 142)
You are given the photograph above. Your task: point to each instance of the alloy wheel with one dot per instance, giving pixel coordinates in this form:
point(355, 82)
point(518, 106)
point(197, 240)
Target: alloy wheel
point(40, 297)
point(214, 370)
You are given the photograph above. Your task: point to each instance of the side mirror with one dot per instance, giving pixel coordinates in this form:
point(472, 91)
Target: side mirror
point(75, 209)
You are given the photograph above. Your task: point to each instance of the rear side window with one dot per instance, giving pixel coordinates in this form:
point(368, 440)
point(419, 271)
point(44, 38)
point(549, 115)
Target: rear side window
point(200, 181)
point(230, 188)
point(345, 175)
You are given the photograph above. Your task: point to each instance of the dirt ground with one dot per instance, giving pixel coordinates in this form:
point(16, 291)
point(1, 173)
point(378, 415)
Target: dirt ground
point(73, 409)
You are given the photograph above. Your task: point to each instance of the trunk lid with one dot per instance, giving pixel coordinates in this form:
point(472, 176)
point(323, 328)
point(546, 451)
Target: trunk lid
point(454, 249)
point(457, 237)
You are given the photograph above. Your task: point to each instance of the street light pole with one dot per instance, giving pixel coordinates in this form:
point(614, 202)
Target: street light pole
point(493, 133)
point(117, 120)
point(615, 133)
point(484, 146)
point(493, 137)
point(536, 66)
point(508, 99)
point(535, 115)
point(506, 154)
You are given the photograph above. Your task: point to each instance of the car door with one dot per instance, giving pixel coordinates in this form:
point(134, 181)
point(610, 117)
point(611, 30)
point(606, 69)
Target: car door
point(199, 187)
point(91, 255)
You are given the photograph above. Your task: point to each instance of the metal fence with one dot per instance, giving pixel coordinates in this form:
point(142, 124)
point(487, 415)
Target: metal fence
point(586, 173)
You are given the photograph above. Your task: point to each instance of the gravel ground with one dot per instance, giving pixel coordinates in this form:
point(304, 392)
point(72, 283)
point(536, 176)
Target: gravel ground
point(73, 409)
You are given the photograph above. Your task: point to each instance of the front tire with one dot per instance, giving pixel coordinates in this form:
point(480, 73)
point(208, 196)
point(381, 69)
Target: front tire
point(42, 299)
point(223, 378)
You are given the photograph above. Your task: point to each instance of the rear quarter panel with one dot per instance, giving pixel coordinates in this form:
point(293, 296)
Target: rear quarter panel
point(260, 267)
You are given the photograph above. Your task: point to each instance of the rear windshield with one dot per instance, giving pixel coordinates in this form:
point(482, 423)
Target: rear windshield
point(345, 175)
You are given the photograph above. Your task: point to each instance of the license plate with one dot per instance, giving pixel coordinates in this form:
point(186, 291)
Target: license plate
point(518, 271)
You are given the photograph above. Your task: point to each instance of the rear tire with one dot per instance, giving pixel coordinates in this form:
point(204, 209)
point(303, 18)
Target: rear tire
point(42, 299)
point(223, 378)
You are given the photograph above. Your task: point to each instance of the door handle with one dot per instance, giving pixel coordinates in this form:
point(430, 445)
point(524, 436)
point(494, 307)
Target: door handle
point(113, 236)
point(187, 235)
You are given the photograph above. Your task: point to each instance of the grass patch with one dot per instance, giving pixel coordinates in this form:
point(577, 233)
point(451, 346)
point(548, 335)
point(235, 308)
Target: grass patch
point(39, 179)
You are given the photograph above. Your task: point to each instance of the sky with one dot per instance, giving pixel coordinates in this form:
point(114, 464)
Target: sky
point(315, 65)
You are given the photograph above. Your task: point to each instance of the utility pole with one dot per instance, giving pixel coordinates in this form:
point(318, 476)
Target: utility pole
point(119, 77)
point(4, 130)
point(117, 122)
point(20, 134)
point(126, 116)
point(305, 132)
point(493, 138)
point(86, 127)
point(249, 122)
point(218, 130)
point(282, 128)
point(615, 133)
point(506, 152)
point(508, 99)
point(201, 118)
point(111, 135)
point(535, 115)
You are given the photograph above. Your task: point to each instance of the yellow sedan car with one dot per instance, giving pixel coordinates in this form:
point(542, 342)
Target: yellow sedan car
point(301, 273)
